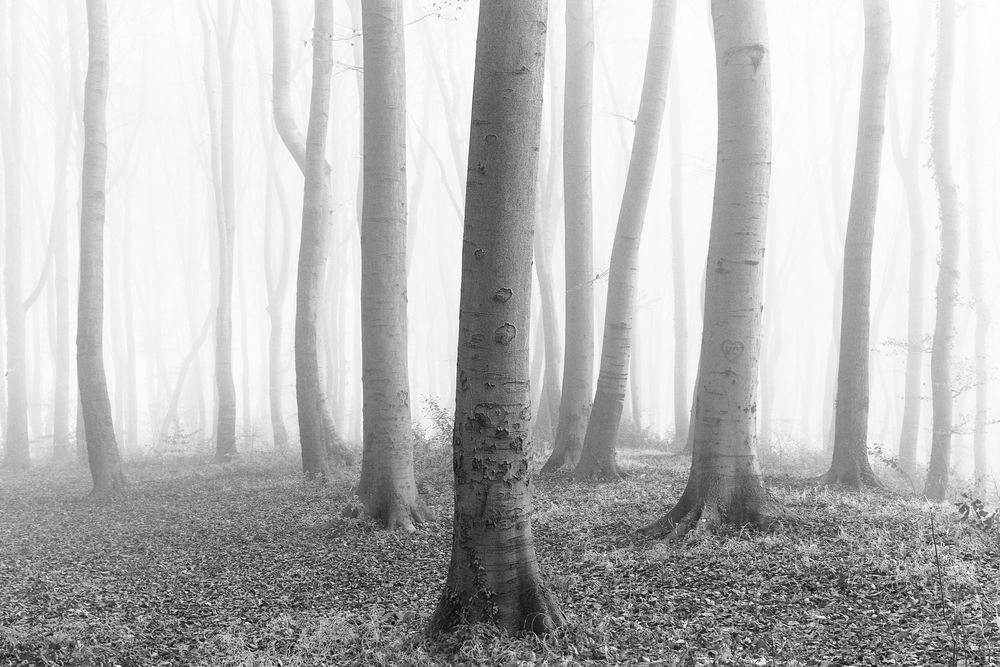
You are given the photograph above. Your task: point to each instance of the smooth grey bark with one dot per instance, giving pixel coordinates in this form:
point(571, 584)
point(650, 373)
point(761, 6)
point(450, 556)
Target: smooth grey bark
point(16, 452)
point(724, 485)
point(102, 448)
point(908, 165)
point(597, 460)
point(494, 576)
point(850, 463)
point(578, 118)
point(936, 487)
point(387, 489)
point(276, 282)
point(550, 330)
point(318, 438)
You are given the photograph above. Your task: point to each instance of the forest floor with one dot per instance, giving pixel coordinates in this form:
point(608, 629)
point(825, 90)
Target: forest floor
point(246, 564)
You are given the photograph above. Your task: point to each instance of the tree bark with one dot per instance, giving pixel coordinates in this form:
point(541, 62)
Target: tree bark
point(724, 484)
point(597, 461)
point(578, 360)
point(947, 284)
point(678, 270)
point(908, 166)
point(102, 448)
point(850, 464)
point(16, 452)
point(387, 490)
point(494, 576)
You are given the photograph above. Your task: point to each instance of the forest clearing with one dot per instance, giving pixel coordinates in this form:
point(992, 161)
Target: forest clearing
point(245, 564)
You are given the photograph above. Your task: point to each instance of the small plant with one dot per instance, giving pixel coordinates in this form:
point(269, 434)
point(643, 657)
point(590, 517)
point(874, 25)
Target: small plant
point(877, 452)
point(975, 512)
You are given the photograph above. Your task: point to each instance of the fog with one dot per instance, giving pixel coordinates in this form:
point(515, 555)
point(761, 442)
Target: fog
point(161, 231)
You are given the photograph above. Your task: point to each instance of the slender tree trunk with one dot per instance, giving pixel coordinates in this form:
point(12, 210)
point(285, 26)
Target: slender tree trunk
point(597, 460)
point(16, 452)
point(578, 362)
point(102, 449)
point(850, 449)
point(494, 576)
point(550, 330)
point(387, 489)
point(277, 290)
point(318, 438)
point(980, 455)
point(908, 166)
point(677, 266)
point(725, 485)
point(947, 284)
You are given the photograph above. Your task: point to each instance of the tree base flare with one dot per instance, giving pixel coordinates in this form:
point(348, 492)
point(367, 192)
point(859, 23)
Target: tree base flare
point(850, 478)
point(595, 471)
point(400, 514)
point(536, 611)
point(706, 518)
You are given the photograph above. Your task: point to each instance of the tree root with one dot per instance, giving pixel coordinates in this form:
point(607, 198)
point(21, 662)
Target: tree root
point(705, 518)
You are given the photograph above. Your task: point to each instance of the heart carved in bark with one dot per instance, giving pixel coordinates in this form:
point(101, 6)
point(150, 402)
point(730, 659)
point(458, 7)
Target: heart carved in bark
point(732, 349)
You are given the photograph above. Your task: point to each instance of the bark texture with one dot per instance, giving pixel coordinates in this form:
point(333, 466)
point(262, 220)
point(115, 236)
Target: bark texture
point(16, 453)
point(494, 576)
point(724, 484)
point(597, 460)
point(387, 490)
point(578, 117)
point(678, 271)
point(947, 284)
point(850, 464)
point(102, 448)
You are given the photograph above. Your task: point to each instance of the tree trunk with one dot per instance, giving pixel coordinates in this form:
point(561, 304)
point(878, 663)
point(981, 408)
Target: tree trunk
point(677, 266)
point(16, 453)
point(980, 455)
point(947, 284)
point(387, 489)
point(724, 484)
point(550, 330)
point(908, 166)
point(578, 362)
point(318, 438)
point(102, 449)
point(850, 448)
point(494, 576)
point(597, 460)
point(277, 289)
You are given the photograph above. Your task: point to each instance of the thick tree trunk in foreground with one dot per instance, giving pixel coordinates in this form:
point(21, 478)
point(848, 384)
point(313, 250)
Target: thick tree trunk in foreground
point(494, 576)
point(578, 116)
point(850, 447)
point(387, 489)
point(725, 484)
point(597, 460)
point(318, 438)
point(908, 166)
point(947, 284)
point(16, 453)
point(102, 449)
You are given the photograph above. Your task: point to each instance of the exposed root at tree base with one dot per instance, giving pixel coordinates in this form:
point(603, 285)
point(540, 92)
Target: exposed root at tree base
point(706, 518)
point(850, 481)
point(535, 611)
point(392, 516)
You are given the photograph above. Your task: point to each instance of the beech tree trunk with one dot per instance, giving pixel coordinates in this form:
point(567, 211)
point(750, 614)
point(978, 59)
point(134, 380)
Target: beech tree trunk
point(597, 460)
point(318, 438)
point(850, 447)
point(102, 448)
point(947, 284)
point(578, 117)
point(724, 484)
point(16, 452)
point(276, 281)
point(387, 489)
point(494, 576)
point(678, 270)
point(908, 165)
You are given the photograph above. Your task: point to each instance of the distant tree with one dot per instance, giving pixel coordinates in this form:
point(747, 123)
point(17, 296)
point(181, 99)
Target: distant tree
point(908, 164)
point(677, 267)
point(850, 448)
point(493, 577)
point(578, 116)
point(220, 118)
point(16, 452)
point(597, 460)
point(387, 489)
point(947, 284)
point(102, 447)
point(318, 438)
point(724, 485)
